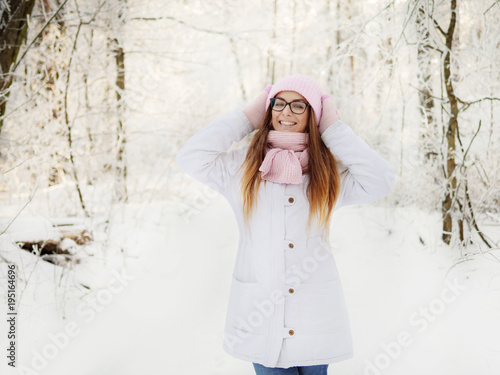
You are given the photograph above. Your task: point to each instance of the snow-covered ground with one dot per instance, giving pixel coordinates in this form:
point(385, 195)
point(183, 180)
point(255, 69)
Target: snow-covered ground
point(159, 306)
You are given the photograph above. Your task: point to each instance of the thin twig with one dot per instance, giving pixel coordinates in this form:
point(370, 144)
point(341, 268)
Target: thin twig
point(66, 118)
point(474, 222)
point(463, 170)
point(25, 205)
point(487, 10)
point(180, 22)
point(468, 104)
point(472, 140)
point(438, 27)
point(444, 100)
point(15, 166)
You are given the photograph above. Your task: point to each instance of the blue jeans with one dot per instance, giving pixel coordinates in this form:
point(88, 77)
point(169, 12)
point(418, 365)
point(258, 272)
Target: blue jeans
point(302, 370)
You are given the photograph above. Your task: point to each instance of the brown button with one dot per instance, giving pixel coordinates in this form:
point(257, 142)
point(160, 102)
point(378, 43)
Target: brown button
point(291, 290)
point(291, 332)
point(291, 200)
point(290, 245)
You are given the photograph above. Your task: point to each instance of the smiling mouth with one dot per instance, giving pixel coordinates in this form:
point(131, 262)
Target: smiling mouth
point(287, 123)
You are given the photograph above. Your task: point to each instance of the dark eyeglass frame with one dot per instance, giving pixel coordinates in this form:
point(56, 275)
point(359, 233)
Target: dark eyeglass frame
point(273, 100)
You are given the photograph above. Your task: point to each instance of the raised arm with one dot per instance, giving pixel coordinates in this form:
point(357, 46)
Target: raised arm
point(365, 175)
point(206, 156)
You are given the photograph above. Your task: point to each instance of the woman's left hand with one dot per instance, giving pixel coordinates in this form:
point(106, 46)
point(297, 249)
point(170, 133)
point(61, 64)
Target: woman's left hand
point(329, 114)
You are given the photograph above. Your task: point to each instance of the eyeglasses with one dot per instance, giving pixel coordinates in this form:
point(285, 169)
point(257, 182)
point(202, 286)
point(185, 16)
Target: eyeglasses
point(297, 107)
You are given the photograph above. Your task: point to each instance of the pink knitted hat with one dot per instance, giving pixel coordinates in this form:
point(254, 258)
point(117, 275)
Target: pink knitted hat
point(305, 86)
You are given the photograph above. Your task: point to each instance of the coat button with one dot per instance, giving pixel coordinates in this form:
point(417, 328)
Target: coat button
point(291, 332)
point(291, 200)
point(290, 245)
point(291, 290)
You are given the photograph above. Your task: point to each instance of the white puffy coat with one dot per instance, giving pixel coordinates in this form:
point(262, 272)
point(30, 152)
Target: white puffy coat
point(286, 304)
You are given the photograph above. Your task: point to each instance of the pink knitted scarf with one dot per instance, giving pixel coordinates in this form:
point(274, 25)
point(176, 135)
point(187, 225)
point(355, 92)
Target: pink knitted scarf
point(286, 157)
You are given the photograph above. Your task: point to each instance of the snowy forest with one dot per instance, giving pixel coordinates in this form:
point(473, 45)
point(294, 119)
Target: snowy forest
point(122, 261)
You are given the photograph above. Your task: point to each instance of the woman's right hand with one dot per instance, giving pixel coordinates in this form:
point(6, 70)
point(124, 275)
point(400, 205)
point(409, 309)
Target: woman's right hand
point(329, 113)
point(256, 110)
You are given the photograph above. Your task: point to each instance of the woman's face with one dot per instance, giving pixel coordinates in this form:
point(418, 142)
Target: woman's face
point(286, 120)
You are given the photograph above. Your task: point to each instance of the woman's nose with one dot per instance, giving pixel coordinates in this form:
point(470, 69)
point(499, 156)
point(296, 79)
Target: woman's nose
point(288, 109)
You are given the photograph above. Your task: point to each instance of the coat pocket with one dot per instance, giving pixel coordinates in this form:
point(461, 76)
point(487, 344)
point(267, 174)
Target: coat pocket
point(322, 307)
point(247, 313)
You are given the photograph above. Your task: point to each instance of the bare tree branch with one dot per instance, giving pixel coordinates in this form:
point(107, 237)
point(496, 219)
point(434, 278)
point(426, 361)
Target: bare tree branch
point(468, 104)
point(444, 100)
point(439, 28)
point(68, 124)
point(487, 10)
point(472, 140)
point(180, 22)
point(30, 198)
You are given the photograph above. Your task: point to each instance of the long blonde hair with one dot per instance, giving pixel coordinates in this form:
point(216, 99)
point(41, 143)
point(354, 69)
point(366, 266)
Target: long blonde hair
point(324, 181)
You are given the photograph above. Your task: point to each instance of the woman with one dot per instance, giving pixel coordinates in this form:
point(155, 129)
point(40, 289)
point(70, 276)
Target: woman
point(286, 311)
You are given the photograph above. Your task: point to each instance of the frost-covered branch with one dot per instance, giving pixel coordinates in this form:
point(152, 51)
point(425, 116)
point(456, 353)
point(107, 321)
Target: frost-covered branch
point(181, 22)
point(436, 25)
point(69, 125)
point(492, 5)
point(468, 104)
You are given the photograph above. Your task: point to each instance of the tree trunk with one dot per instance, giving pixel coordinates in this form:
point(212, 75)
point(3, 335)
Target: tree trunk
point(13, 32)
point(239, 69)
point(344, 10)
point(271, 60)
point(330, 13)
point(425, 80)
point(451, 131)
point(294, 36)
point(121, 166)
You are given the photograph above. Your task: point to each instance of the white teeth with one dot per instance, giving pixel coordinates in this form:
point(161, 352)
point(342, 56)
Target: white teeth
point(287, 123)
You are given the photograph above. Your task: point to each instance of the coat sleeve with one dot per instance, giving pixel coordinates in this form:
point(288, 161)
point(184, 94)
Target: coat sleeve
point(365, 176)
point(206, 156)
